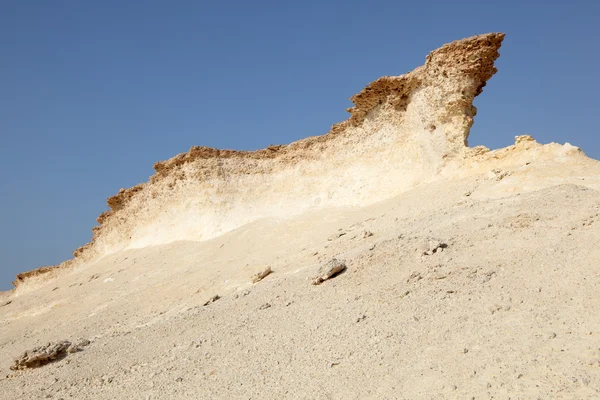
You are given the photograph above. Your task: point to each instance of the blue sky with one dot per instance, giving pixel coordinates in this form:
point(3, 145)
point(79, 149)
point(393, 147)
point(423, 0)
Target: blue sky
point(93, 93)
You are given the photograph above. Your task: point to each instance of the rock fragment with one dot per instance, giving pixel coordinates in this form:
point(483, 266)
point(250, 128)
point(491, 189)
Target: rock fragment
point(41, 355)
point(212, 299)
point(336, 236)
point(329, 270)
point(433, 246)
point(77, 347)
point(261, 275)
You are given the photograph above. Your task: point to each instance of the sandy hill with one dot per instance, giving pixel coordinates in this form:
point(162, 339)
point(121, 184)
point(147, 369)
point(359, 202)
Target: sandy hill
point(467, 273)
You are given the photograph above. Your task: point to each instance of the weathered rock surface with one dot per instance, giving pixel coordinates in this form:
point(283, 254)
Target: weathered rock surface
point(42, 355)
point(503, 304)
point(329, 270)
point(259, 276)
point(403, 130)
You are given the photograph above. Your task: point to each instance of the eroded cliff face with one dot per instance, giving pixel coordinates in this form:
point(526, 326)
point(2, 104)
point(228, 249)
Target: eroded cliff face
point(403, 130)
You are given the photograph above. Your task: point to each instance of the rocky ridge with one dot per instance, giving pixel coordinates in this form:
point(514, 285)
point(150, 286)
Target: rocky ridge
point(403, 131)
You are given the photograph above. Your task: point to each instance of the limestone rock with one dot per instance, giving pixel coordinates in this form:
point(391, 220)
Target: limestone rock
point(42, 355)
point(329, 270)
point(261, 275)
point(417, 122)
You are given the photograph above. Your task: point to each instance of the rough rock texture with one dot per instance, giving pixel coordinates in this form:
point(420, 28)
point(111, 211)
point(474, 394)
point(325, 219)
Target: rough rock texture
point(259, 276)
point(333, 268)
point(42, 355)
point(403, 130)
point(478, 279)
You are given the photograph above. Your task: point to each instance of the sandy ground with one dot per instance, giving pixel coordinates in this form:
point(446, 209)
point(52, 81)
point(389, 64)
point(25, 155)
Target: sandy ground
point(463, 289)
point(470, 274)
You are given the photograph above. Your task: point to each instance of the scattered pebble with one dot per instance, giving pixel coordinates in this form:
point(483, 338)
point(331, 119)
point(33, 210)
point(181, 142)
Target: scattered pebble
point(434, 246)
point(212, 299)
point(261, 275)
point(329, 270)
point(43, 355)
point(336, 236)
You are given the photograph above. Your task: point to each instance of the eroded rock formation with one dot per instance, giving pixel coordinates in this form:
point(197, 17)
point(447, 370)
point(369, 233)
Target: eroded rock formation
point(43, 355)
point(403, 130)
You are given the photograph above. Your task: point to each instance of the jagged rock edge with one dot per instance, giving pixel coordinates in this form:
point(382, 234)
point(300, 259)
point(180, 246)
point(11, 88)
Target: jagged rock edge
point(473, 57)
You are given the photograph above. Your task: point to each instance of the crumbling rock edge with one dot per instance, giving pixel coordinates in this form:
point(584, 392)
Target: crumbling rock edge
point(419, 122)
point(42, 355)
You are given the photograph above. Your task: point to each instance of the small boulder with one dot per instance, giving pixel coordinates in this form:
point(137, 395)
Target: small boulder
point(432, 246)
point(41, 355)
point(261, 275)
point(212, 299)
point(329, 270)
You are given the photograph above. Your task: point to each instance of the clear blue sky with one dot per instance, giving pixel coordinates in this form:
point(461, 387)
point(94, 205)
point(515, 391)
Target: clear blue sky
point(94, 92)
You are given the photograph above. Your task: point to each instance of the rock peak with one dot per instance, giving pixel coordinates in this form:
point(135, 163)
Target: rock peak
point(403, 130)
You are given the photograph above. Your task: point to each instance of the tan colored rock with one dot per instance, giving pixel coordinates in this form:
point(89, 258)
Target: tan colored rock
point(42, 355)
point(211, 300)
point(418, 122)
point(329, 270)
point(261, 275)
point(403, 131)
point(510, 305)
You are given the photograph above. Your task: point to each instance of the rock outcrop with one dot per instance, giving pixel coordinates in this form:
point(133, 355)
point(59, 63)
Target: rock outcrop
point(43, 355)
point(403, 131)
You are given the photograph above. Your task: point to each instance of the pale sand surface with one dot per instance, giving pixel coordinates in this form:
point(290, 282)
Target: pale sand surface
point(508, 310)
point(471, 274)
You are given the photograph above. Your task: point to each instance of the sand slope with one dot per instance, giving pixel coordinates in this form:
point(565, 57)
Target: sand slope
point(403, 130)
point(478, 281)
point(509, 308)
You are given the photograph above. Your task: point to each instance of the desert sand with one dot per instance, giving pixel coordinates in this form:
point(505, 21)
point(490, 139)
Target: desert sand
point(469, 273)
